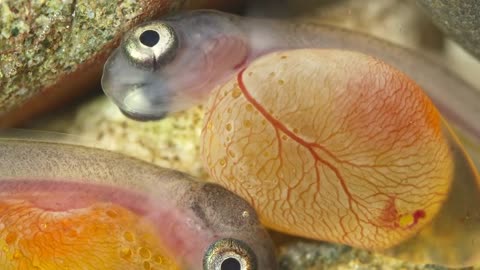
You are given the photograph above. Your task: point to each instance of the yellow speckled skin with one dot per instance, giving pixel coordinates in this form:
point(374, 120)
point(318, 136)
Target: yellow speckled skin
point(102, 236)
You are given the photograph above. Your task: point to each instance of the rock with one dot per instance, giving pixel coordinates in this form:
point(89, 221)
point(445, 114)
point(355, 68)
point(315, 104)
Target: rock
point(53, 51)
point(308, 255)
point(459, 19)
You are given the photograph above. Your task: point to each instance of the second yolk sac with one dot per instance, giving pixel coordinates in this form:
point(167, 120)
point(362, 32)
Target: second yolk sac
point(339, 146)
point(100, 236)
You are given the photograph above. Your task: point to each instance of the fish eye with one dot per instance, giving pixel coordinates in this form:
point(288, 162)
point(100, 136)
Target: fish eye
point(229, 254)
point(151, 45)
point(149, 38)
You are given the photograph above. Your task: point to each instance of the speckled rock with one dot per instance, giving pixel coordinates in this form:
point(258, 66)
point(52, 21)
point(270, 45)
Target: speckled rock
point(54, 50)
point(307, 255)
point(459, 19)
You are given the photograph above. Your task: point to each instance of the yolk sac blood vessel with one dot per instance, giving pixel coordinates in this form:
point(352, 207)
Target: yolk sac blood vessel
point(75, 207)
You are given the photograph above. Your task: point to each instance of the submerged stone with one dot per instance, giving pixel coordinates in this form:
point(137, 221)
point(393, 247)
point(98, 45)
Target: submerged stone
point(459, 19)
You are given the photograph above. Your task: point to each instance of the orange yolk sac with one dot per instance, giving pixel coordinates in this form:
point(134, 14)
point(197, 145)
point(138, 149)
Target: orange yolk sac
point(102, 236)
point(339, 146)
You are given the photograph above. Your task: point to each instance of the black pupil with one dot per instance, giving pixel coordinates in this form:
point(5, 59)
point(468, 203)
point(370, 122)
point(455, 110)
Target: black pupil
point(231, 264)
point(149, 38)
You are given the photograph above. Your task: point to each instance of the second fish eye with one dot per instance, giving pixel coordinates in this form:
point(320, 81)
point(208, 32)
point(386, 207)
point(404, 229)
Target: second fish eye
point(229, 254)
point(231, 264)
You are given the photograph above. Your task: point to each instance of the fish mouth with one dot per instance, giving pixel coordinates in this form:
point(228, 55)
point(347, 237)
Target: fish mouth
point(134, 104)
point(141, 117)
point(137, 106)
